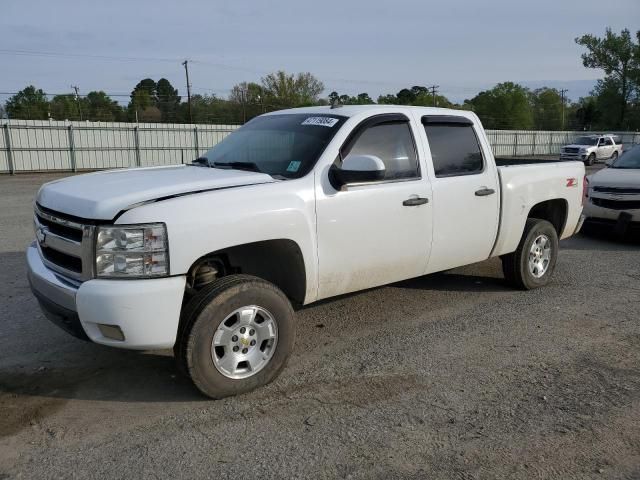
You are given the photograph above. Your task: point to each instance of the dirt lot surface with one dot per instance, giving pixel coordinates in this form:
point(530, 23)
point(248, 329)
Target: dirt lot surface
point(453, 375)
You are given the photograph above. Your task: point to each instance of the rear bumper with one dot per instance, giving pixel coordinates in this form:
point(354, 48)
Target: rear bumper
point(146, 312)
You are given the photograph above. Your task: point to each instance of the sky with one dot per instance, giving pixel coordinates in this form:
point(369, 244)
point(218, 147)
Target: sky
point(352, 46)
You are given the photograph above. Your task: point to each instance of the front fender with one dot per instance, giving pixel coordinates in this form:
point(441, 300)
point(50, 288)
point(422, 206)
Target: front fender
point(198, 224)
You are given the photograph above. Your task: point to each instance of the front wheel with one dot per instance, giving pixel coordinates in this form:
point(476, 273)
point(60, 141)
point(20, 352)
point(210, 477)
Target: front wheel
point(533, 262)
point(236, 335)
point(591, 159)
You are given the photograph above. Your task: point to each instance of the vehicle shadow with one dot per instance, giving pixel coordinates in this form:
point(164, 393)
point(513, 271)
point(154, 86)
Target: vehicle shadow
point(39, 359)
point(602, 239)
point(457, 282)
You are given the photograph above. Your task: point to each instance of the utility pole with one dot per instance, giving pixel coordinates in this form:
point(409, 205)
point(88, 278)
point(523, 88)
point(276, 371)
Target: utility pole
point(75, 88)
point(434, 90)
point(562, 92)
point(186, 71)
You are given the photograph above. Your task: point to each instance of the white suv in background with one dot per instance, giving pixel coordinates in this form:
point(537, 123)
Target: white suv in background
point(590, 148)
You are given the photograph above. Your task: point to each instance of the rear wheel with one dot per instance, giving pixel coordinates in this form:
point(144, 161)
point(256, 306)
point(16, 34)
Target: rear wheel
point(614, 157)
point(533, 262)
point(590, 159)
point(237, 335)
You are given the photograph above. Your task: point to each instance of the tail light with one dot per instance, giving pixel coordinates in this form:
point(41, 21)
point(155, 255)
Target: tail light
point(585, 189)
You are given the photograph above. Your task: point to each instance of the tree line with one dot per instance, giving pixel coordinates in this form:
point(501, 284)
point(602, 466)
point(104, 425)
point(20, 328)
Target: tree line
point(614, 103)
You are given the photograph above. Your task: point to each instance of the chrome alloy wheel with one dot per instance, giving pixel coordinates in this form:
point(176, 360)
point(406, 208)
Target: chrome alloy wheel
point(539, 256)
point(244, 342)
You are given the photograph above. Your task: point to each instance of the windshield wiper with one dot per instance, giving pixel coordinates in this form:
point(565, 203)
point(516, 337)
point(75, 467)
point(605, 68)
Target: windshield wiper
point(200, 162)
point(248, 166)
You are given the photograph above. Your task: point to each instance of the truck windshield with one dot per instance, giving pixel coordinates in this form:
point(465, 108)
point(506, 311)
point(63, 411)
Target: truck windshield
point(281, 145)
point(630, 159)
point(586, 141)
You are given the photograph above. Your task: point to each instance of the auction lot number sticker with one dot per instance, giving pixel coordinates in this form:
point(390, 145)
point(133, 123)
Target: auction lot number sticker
point(321, 121)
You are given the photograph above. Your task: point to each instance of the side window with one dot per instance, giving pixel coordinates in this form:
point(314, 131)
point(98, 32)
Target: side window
point(454, 149)
point(393, 143)
point(607, 141)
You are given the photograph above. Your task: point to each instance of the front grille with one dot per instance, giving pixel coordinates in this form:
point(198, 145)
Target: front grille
point(66, 245)
point(616, 204)
point(74, 234)
point(571, 150)
point(618, 190)
point(68, 262)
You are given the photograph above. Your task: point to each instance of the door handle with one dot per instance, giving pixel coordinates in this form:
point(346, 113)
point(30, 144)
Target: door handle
point(483, 192)
point(414, 202)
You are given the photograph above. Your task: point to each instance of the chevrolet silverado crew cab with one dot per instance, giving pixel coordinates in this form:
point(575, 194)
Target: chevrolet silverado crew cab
point(294, 207)
point(590, 148)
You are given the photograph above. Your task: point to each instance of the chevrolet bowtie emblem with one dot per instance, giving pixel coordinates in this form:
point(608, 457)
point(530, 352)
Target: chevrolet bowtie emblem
point(244, 341)
point(41, 235)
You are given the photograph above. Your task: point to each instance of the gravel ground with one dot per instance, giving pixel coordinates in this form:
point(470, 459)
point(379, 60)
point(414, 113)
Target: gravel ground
point(452, 375)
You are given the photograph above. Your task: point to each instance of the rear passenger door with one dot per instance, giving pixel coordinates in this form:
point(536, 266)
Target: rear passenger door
point(466, 197)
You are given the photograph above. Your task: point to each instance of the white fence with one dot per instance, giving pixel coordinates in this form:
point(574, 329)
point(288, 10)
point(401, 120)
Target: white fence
point(518, 143)
point(32, 145)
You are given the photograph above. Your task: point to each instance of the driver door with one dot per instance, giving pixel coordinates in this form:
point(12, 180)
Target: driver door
point(375, 233)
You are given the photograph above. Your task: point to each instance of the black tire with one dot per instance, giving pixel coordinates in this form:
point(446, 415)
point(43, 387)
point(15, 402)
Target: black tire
point(516, 265)
point(614, 156)
point(591, 159)
point(201, 318)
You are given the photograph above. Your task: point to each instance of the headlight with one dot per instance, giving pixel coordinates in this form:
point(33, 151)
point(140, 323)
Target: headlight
point(132, 251)
point(583, 150)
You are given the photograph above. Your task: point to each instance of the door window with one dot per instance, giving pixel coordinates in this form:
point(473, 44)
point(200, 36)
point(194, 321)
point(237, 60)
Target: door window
point(393, 143)
point(454, 149)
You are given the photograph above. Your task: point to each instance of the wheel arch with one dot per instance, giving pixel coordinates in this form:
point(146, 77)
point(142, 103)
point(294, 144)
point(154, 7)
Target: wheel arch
point(279, 261)
point(555, 211)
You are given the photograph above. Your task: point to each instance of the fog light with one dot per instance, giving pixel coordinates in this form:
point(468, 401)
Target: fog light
point(112, 332)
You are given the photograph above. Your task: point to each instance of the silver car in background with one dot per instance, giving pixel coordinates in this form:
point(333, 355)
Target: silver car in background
point(614, 194)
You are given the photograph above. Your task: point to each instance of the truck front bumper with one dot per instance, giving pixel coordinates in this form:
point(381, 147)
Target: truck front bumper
point(573, 157)
point(135, 314)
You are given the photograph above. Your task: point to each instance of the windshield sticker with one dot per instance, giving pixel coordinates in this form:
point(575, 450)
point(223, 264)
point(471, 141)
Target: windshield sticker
point(293, 167)
point(321, 121)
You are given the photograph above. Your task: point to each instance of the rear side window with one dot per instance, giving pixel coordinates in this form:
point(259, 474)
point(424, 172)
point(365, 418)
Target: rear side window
point(393, 143)
point(454, 149)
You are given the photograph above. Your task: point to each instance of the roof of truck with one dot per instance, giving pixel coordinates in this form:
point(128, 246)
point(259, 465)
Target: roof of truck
point(353, 110)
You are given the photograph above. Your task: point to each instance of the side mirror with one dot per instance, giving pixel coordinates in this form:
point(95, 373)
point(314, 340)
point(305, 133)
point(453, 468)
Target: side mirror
point(357, 169)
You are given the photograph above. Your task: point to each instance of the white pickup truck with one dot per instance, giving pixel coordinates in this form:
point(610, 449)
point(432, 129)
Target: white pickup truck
point(590, 148)
point(296, 206)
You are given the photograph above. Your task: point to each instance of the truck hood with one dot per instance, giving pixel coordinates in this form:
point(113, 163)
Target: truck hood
point(102, 195)
point(586, 147)
point(616, 177)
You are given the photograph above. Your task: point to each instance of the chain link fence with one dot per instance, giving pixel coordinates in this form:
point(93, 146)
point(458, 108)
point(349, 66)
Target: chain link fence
point(37, 146)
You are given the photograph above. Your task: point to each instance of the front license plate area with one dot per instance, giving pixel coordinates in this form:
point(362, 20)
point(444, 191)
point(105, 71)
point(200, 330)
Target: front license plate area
point(624, 219)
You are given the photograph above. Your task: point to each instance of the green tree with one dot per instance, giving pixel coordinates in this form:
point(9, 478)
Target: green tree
point(505, 106)
point(619, 57)
point(65, 107)
point(247, 98)
point(288, 90)
point(168, 100)
point(143, 98)
point(546, 104)
point(28, 104)
point(100, 107)
point(587, 115)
